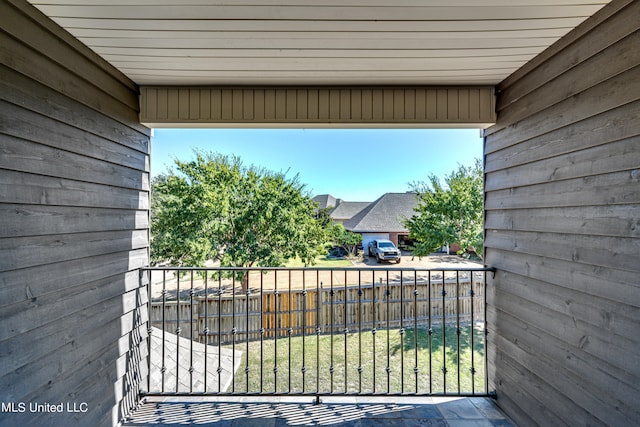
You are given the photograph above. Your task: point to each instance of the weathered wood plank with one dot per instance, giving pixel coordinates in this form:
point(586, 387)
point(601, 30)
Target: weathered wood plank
point(613, 92)
point(613, 125)
point(34, 220)
point(78, 347)
point(603, 159)
point(45, 22)
point(28, 125)
point(75, 165)
point(531, 405)
point(626, 57)
point(562, 222)
point(36, 66)
point(46, 41)
point(24, 252)
point(609, 348)
point(605, 315)
point(90, 370)
point(25, 156)
point(48, 317)
point(24, 188)
point(44, 279)
point(607, 220)
point(607, 283)
point(587, 191)
point(578, 364)
point(598, 374)
point(20, 90)
point(509, 396)
point(610, 252)
point(126, 387)
point(584, 402)
point(104, 412)
point(612, 383)
point(555, 52)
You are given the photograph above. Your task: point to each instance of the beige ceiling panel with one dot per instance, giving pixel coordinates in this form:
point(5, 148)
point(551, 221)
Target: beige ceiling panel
point(240, 25)
point(318, 42)
point(273, 11)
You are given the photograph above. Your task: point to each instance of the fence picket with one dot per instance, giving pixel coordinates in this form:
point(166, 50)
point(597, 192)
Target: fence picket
point(217, 316)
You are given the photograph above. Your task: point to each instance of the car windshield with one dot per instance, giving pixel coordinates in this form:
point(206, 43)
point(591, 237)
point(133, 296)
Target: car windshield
point(385, 245)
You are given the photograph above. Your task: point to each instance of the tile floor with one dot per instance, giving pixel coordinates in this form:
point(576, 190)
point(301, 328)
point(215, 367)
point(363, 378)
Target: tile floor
point(332, 411)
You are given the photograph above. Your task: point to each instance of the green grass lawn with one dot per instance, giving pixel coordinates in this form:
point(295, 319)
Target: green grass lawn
point(359, 367)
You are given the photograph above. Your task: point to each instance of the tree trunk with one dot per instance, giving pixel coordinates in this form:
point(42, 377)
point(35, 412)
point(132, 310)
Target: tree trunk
point(245, 278)
point(245, 282)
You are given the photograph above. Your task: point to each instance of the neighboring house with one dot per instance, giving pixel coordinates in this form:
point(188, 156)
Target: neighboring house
point(341, 211)
point(344, 211)
point(326, 201)
point(384, 218)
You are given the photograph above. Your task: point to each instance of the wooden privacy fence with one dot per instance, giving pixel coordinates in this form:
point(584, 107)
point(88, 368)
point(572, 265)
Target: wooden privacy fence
point(224, 315)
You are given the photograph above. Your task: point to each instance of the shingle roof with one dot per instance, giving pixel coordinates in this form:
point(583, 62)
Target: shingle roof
point(386, 214)
point(325, 200)
point(347, 210)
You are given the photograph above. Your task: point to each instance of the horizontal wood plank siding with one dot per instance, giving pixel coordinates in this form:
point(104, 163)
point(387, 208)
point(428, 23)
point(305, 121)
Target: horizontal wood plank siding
point(74, 200)
point(308, 106)
point(562, 226)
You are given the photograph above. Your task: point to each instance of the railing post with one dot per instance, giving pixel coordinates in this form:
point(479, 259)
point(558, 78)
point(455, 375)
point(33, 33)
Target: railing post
point(331, 316)
point(458, 327)
point(219, 368)
point(205, 331)
point(430, 332)
point(346, 331)
point(191, 336)
point(319, 309)
point(359, 332)
point(388, 319)
point(178, 331)
point(142, 274)
point(444, 333)
point(291, 324)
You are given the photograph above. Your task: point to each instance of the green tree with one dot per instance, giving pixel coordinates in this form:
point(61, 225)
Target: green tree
point(344, 238)
point(216, 208)
point(449, 213)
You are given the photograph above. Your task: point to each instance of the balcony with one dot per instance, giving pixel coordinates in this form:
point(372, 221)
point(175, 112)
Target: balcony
point(328, 345)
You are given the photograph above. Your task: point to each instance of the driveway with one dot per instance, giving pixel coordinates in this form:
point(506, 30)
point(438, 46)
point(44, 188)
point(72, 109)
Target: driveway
point(299, 279)
point(433, 261)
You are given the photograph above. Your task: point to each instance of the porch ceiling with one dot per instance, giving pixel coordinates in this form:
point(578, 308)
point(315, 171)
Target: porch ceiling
point(318, 42)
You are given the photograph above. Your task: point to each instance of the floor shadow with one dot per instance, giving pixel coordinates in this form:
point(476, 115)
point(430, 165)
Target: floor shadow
point(353, 412)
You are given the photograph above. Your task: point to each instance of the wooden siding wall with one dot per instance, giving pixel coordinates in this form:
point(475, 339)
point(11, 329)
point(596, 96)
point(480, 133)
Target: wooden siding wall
point(563, 229)
point(320, 106)
point(74, 190)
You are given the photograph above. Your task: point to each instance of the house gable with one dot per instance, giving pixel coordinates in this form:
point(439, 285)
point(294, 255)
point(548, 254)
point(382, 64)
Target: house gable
point(387, 214)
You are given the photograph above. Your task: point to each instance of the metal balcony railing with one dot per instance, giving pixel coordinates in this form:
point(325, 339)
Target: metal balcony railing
point(317, 331)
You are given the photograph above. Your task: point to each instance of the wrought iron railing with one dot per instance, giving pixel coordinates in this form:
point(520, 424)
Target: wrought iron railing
point(317, 331)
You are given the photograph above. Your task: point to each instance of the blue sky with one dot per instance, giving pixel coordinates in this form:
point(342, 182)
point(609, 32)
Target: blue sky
point(353, 164)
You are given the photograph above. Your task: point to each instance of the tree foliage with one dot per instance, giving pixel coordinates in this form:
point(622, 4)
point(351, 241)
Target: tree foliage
point(344, 238)
point(216, 208)
point(449, 213)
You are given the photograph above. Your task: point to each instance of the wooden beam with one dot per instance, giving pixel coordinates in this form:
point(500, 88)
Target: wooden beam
point(317, 106)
